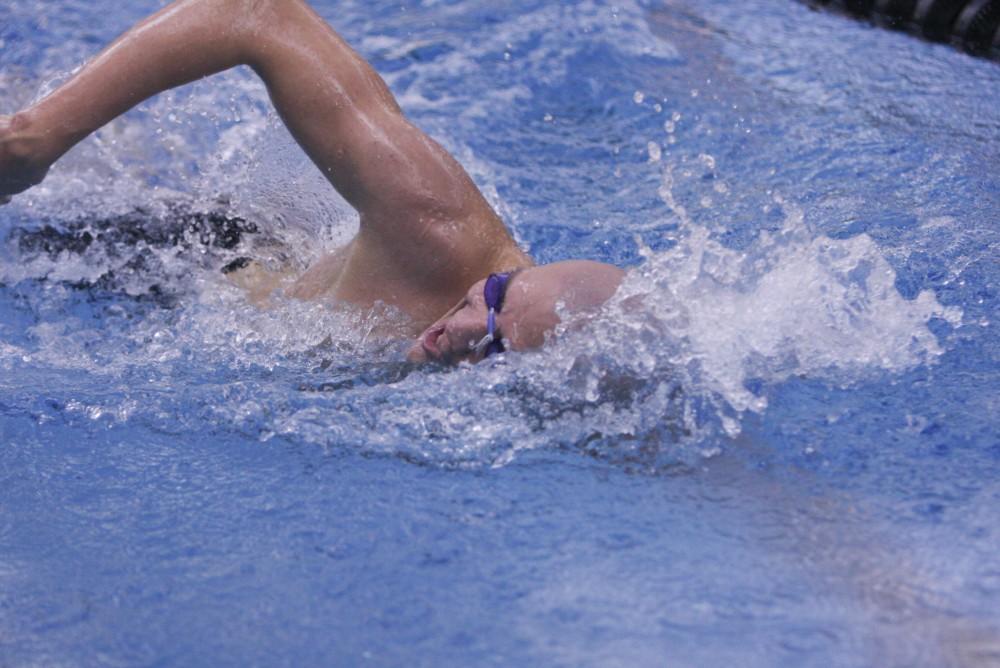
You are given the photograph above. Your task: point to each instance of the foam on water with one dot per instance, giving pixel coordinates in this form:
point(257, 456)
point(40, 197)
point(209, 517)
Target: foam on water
point(792, 303)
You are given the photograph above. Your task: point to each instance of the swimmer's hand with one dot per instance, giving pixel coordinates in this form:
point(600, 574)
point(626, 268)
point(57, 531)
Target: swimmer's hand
point(21, 164)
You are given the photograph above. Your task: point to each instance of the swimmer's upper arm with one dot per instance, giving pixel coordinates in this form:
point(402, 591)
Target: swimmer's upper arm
point(347, 120)
point(426, 230)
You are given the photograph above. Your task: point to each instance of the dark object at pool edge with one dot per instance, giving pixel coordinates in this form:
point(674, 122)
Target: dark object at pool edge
point(972, 25)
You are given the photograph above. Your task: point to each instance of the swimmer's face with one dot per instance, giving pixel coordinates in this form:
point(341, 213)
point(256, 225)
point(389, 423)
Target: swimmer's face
point(529, 310)
point(451, 339)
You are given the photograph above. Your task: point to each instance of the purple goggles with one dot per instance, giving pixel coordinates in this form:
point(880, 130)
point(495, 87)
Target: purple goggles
point(494, 292)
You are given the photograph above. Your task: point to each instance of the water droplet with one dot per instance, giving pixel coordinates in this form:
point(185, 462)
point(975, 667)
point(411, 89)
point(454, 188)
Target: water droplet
point(638, 97)
point(654, 151)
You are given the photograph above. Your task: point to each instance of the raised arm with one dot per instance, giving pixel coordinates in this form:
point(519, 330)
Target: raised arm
point(337, 108)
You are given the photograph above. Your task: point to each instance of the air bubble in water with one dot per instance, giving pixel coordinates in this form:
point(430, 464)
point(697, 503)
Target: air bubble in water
point(654, 151)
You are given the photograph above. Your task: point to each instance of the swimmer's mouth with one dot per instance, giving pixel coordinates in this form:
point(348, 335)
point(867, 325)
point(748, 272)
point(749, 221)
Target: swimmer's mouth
point(429, 342)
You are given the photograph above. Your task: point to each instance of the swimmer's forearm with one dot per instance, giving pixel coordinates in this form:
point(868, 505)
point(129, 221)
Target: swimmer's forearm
point(333, 103)
point(183, 42)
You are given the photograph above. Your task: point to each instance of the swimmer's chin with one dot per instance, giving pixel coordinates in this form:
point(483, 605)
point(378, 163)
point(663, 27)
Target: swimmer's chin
point(417, 354)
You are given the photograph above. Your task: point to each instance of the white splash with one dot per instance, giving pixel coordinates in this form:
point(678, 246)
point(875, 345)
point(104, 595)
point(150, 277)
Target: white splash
point(791, 304)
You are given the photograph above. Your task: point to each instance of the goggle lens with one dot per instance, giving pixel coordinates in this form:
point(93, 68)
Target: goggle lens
point(493, 292)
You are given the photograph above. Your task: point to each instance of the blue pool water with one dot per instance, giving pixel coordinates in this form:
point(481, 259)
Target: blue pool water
point(788, 456)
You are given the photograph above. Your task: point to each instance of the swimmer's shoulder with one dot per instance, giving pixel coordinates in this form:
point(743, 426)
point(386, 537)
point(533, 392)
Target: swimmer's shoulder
point(322, 278)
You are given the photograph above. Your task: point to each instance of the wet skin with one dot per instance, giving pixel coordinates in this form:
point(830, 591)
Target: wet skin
point(451, 338)
point(536, 300)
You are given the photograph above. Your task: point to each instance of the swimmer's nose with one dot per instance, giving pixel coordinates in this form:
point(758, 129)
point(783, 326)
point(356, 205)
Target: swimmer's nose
point(460, 331)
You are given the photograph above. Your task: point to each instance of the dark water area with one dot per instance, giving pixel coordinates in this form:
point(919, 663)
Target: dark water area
point(787, 457)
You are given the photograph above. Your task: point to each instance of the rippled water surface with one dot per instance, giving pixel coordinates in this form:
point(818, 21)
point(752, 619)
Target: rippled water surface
point(777, 446)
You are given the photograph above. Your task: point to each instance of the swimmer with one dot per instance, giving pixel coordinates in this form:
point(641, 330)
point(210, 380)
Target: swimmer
point(429, 243)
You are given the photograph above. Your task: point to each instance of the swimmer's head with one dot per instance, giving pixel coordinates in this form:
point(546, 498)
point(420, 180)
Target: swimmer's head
point(529, 312)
